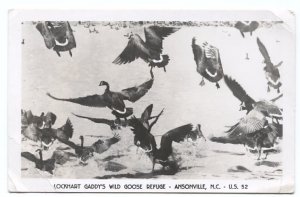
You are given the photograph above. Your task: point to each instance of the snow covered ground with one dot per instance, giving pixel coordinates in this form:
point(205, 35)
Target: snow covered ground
point(177, 91)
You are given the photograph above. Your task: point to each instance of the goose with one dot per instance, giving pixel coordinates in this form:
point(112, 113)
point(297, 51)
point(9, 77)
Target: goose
point(248, 103)
point(271, 71)
point(252, 131)
point(61, 157)
point(43, 165)
point(113, 100)
point(47, 136)
point(149, 50)
point(49, 119)
point(57, 35)
point(146, 116)
point(86, 152)
point(208, 61)
point(146, 141)
point(243, 27)
point(196, 134)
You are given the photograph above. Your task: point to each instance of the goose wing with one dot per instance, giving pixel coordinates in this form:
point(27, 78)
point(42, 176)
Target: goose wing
point(252, 122)
point(155, 34)
point(197, 51)
point(96, 120)
point(147, 114)
point(134, 49)
point(240, 25)
point(90, 101)
point(135, 93)
point(177, 135)
point(137, 127)
point(69, 143)
point(238, 91)
point(49, 40)
point(263, 50)
point(29, 156)
point(67, 128)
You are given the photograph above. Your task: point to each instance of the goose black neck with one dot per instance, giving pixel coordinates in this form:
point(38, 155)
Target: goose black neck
point(81, 142)
point(41, 155)
point(107, 87)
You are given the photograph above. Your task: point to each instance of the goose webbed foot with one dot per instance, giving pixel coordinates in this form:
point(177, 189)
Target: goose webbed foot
point(218, 86)
point(57, 53)
point(202, 83)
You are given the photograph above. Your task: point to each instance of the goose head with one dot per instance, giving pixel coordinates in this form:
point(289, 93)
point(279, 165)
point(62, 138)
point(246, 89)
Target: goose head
point(103, 83)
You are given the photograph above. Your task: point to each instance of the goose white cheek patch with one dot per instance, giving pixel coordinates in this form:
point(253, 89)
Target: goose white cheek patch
point(62, 44)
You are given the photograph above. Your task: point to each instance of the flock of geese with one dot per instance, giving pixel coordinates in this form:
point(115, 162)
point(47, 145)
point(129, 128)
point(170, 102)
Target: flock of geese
point(258, 129)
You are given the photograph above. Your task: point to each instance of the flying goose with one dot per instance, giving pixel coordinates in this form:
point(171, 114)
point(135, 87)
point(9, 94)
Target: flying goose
point(86, 152)
point(146, 141)
point(150, 50)
point(43, 165)
point(248, 103)
point(57, 35)
point(271, 71)
point(146, 116)
point(208, 61)
point(253, 131)
point(113, 100)
point(246, 27)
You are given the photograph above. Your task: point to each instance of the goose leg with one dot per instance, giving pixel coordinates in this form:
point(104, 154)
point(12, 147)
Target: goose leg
point(259, 152)
point(242, 34)
point(268, 88)
point(250, 33)
point(165, 69)
point(70, 52)
point(57, 53)
point(266, 155)
point(218, 86)
point(278, 90)
point(202, 83)
point(153, 164)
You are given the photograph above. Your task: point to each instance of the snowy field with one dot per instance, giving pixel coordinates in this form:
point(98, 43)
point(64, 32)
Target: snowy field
point(177, 91)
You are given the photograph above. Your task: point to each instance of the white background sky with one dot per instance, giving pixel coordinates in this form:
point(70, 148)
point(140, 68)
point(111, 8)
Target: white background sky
point(119, 4)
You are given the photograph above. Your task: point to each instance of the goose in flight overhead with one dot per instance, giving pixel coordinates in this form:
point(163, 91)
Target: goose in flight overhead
point(248, 103)
point(271, 71)
point(149, 50)
point(113, 100)
point(58, 35)
point(246, 27)
point(145, 140)
point(208, 61)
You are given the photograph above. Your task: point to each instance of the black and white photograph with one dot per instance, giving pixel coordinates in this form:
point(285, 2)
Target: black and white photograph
point(158, 100)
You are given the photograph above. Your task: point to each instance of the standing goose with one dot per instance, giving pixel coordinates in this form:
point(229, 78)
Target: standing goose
point(43, 165)
point(113, 100)
point(246, 27)
point(146, 141)
point(57, 35)
point(248, 103)
point(271, 70)
point(208, 61)
point(151, 50)
point(146, 116)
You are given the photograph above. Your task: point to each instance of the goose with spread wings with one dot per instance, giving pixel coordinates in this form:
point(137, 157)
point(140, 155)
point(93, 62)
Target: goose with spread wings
point(113, 100)
point(58, 35)
point(271, 71)
point(145, 117)
point(150, 50)
point(43, 165)
point(86, 152)
point(253, 131)
point(246, 27)
point(208, 61)
point(248, 103)
point(145, 140)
